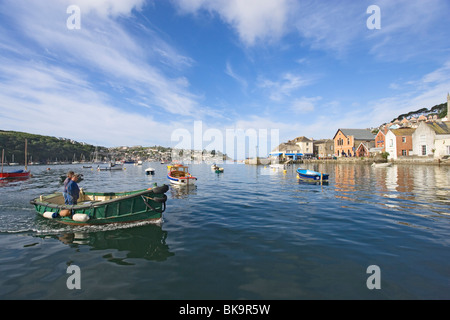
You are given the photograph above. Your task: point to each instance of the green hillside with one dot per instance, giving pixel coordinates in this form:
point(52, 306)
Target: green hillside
point(42, 149)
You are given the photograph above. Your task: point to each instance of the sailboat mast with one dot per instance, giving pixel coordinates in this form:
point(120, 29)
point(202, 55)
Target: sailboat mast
point(25, 154)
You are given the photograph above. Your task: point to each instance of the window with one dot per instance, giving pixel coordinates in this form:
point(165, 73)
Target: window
point(391, 142)
point(404, 153)
point(424, 150)
point(448, 150)
point(403, 139)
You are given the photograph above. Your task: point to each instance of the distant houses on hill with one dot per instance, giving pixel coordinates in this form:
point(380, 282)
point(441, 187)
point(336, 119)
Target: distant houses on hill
point(424, 136)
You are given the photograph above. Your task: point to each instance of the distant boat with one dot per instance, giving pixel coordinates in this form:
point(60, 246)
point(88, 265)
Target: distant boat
point(97, 208)
point(311, 175)
point(278, 166)
point(111, 167)
point(216, 168)
point(12, 163)
point(381, 165)
point(16, 174)
point(179, 175)
point(149, 171)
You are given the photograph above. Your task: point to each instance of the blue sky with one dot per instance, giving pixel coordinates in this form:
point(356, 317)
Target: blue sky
point(137, 72)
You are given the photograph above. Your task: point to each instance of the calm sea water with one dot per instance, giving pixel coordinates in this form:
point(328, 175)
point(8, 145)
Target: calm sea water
point(249, 233)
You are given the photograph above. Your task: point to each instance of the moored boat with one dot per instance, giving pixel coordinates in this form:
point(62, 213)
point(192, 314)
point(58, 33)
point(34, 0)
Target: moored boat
point(381, 164)
point(97, 208)
point(111, 167)
point(16, 174)
point(311, 175)
point(179, 175)
point(216, 168)
point(149, 171)
point(277, 166)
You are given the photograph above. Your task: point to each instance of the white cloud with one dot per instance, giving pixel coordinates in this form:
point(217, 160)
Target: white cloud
point(253, 20)
point(103, 47)
point(106, 8)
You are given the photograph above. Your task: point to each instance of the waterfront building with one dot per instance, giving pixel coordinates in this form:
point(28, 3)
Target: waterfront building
point(323, 148)
point(293, 149)
point(399, 142)
point(346, 141)
point(364, 149)
point(380, 138)
point(432, 139)
point(305, 145)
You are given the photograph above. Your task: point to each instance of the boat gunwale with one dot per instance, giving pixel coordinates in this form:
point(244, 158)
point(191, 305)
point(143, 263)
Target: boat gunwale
point(98, 204)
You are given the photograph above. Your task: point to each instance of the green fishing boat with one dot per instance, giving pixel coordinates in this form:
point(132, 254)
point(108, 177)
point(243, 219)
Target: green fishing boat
point(95, 208)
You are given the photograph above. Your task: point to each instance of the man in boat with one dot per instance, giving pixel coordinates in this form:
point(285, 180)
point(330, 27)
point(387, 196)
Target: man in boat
point(73, 191)
point(70, 174)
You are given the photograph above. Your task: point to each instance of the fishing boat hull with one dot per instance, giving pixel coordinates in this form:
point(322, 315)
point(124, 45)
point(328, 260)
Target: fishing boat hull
point(96, 208)
point(310, 175)
point(19, 174)
point(181, 181)
point(113, 168)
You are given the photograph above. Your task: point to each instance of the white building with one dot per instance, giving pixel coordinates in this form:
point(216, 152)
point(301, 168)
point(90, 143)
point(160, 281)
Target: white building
point(432, 139)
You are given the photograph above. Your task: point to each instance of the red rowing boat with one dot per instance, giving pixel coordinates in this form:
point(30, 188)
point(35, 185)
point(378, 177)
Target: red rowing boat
point(17, 174)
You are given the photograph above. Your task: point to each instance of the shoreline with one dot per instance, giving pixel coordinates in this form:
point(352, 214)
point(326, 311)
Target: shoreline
point(359, 161)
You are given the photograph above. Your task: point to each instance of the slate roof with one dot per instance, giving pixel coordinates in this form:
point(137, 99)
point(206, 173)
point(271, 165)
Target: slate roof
point(358, 134)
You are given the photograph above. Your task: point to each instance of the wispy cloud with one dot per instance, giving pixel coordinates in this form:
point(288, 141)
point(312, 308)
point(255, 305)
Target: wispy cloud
point(285, 86)
point(100, 61)
point(241, 80)
point(304, 105)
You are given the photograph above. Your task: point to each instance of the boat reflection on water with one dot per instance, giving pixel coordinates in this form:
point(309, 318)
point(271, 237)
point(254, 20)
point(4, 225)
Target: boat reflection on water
point(313, 182)
point(139, 242)
point(182, 192)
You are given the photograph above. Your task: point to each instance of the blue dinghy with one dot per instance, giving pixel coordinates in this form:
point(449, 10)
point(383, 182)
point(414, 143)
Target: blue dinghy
point(306, 174)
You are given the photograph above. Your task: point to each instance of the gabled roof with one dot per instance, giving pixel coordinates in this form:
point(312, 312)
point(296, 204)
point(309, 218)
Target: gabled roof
point(302, 139)
point(380, 131)
point(440, 127)
point(358, 134)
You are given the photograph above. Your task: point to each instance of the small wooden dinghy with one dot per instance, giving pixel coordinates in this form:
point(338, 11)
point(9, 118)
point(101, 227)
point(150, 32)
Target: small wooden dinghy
point(311, 175)
point(96, 208)
point(381, 164)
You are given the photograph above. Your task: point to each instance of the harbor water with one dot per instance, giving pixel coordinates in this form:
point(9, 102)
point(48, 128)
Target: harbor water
point(251, 232)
